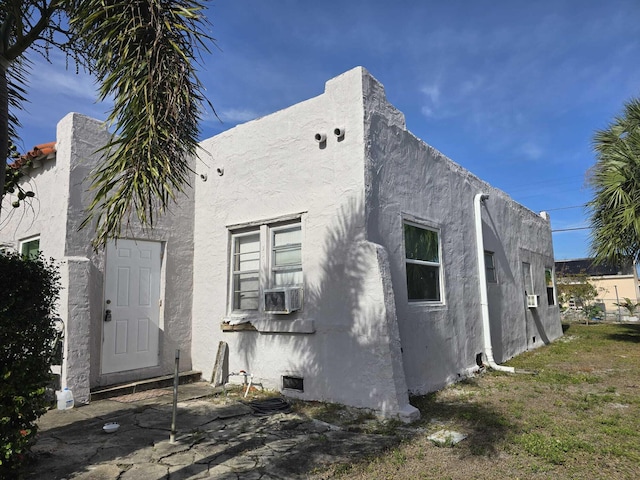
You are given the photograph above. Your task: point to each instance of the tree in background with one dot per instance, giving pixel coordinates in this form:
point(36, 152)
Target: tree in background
point(615, 178)
point(143, 53)
point(575, 289)
point(576, 292)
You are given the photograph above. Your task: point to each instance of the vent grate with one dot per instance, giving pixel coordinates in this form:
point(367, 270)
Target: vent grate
point(293, 383)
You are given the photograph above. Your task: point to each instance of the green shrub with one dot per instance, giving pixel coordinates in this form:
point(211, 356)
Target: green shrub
point(29, 290)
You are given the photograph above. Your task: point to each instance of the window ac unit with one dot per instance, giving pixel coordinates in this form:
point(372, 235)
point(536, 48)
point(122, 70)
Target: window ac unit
point(533, 301)
point(283, 300)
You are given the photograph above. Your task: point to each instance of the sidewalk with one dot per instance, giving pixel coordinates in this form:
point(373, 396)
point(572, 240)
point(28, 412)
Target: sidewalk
point(217, 437)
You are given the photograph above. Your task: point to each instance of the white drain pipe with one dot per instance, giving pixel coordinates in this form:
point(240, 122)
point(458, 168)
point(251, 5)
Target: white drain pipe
point(482, 279)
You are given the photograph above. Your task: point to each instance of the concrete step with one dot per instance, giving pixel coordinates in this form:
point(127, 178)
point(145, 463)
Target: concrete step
point(100, 393)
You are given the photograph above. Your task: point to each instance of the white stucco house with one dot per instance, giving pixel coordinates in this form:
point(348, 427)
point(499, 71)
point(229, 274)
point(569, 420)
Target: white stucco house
point(338, 256)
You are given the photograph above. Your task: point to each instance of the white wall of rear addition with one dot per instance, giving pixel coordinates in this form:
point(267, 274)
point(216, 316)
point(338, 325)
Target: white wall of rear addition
point(410, 180)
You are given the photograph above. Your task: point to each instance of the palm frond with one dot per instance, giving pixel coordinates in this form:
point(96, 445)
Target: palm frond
point(615, 208)
point(144, 55)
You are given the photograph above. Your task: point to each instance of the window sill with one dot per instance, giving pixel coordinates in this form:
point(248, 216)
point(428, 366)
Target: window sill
point(426, 304)
point(272, 326)
point(242, 327)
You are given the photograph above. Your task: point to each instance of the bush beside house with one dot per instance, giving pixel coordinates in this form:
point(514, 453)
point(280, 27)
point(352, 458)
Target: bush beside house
point(29, 290)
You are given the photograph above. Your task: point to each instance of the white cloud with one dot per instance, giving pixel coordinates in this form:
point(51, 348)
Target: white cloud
point(432, 92)
point(54, 79)
point(531, 150)
point(471, 85)
point(432, 102)
point(238, 115)
point(427, 111)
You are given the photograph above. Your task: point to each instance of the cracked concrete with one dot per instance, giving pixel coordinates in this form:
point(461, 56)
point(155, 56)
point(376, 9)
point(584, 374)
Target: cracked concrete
point(217, 438)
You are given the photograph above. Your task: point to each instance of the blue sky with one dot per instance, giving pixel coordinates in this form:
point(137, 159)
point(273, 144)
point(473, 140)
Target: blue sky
point(511, 90)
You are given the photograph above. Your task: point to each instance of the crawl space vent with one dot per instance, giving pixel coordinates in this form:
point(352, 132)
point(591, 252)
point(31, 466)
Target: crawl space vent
point(293, 383)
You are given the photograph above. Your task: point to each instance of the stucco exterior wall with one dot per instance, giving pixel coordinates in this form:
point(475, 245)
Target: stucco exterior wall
point(407, 180)
point(174, 230)
point(347, 346)
point(62, 197)
point(359, 340)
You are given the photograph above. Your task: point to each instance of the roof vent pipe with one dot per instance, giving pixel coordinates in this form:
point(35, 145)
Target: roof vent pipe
point(482, 279)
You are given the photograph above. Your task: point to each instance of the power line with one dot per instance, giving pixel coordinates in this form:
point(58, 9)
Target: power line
point(564, 208)
point(570, 229)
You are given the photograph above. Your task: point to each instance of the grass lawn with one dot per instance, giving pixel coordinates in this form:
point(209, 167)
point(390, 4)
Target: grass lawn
point(577, 417)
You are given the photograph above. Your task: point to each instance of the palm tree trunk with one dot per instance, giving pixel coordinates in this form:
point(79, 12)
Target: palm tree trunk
point(4, 127)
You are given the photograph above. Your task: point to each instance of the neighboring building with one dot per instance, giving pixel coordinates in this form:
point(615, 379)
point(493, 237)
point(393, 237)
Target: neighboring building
point(338, 256)
point(377, 233)
point(613, 284)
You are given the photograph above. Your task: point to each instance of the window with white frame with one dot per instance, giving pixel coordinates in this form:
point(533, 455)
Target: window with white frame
point(30, 247)
point(246, 271)
point(490, 267)
point(423, 267)
point(286, 260)
point(262, 257)
point(551, 291)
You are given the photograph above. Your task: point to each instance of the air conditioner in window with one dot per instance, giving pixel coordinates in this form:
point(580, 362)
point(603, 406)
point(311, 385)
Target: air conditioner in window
point(283, 300)
point(533, 301)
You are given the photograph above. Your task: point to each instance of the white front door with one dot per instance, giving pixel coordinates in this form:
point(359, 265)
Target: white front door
point(131, 305)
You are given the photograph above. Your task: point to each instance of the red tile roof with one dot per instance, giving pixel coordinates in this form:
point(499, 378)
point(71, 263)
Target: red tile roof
point(39, 151)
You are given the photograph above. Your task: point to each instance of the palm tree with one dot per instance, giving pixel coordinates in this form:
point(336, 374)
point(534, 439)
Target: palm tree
point(143, 54)
point(615, 208)
point(631, 306)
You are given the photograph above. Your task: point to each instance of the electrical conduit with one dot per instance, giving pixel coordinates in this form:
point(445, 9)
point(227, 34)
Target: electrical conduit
point(482, 279)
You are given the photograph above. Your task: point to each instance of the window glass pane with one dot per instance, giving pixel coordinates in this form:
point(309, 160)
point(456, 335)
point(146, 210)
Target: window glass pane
point(548, 277)
point(528, 281)
point(247, 253)
point(246, 266)
point(423, 282)
point(421, 244)
point(287, 236)
point(245, 291)
point(289, 277)
point(287, 256)
point(550, 296)
point(489, 267)
point(31, 248)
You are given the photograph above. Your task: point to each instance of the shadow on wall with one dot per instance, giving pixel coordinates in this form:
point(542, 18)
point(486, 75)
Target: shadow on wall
point(497, 291)
point(334, 304)
point(346, 305)
point(539, 326)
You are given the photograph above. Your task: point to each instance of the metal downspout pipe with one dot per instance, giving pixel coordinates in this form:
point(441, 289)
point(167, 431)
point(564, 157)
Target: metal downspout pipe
point(482, 279)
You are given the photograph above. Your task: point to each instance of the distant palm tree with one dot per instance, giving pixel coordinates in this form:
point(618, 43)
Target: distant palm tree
point(631, 306)
point(615, 208)
point(143, 54)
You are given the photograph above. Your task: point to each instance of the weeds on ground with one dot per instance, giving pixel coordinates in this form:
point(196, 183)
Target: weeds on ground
point(580, 413)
